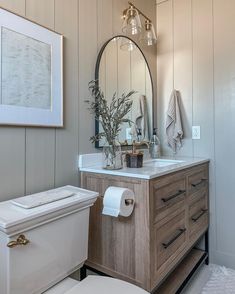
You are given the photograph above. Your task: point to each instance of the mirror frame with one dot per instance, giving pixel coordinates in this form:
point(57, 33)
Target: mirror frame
point(97, 67)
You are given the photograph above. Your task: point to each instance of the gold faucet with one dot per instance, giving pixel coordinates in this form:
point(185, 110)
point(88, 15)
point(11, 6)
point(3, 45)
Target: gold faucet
point(125, 143)
point(137, 144)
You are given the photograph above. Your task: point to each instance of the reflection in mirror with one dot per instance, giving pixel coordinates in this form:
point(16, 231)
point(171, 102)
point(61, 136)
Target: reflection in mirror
point(119, 70)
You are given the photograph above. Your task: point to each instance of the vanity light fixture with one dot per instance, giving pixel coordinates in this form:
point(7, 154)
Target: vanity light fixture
point(132, 25)
point(148, 37)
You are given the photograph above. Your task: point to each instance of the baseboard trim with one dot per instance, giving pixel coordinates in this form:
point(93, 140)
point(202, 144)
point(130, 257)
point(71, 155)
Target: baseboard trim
point(222, 258)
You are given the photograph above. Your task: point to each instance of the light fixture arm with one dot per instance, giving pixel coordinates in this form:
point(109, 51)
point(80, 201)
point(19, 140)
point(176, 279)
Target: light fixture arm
point(140, 12)
point(132, 25)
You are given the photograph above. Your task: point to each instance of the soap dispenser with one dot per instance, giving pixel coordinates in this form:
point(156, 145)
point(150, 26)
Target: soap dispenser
point(154, 148)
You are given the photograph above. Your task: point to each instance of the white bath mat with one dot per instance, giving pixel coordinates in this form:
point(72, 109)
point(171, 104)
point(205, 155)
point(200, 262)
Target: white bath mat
point(222, 281)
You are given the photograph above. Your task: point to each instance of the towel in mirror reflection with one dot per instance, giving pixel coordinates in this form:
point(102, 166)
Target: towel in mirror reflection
point(140, 118)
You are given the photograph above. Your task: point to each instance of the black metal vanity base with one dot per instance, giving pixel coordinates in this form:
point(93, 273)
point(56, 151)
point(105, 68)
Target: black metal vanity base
point(192, 273)
point(85, 268)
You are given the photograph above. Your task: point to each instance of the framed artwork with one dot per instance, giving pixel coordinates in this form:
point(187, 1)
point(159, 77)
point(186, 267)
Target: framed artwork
point(31, 73)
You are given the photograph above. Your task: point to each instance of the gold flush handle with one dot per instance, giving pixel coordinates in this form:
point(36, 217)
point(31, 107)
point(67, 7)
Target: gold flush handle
point(20, 241)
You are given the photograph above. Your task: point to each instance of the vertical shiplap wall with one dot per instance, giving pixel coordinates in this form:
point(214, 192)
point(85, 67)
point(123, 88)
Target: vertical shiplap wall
point(40, 143)
point(196, 55)
point(12, 141)
point(99, 20)
point(224, 95)
point(35, 159)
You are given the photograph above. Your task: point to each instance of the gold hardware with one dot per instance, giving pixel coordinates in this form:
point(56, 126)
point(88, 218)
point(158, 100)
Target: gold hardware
point(149, 37)
point(124, 143)
point(138, 144)
point(148, 25)
point(132, 7)
point(129, 202)
point(21, 240)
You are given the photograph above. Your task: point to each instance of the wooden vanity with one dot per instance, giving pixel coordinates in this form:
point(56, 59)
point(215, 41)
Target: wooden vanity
point(155, 244)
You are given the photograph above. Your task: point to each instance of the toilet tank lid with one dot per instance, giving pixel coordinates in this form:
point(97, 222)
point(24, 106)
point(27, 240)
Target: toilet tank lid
point(14, 218)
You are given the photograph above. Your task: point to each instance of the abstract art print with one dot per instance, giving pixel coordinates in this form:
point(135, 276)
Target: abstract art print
point(31, 73)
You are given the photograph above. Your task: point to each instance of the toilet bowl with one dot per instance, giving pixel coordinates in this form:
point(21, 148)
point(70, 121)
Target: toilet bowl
point(95, 284)
point(41, 245)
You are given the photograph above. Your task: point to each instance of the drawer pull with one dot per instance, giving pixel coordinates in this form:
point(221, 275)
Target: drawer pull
point(199, 183)
point(20, 241)
point(180, 192)
point(179, 233)
point(199, 215)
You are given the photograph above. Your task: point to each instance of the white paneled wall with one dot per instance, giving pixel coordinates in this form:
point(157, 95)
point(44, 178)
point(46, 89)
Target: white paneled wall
point(104, 22)
point(224, 81)
point(196, 55)
point(35, 159)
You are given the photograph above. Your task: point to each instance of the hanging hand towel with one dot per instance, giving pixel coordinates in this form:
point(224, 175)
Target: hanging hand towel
point(140, 117)
point(174, 129)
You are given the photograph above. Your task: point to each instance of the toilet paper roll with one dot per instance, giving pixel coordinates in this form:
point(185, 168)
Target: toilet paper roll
point(118, 201)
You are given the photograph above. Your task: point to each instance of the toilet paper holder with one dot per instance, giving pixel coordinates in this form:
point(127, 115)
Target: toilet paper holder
point(118, 201)
point(129, 202)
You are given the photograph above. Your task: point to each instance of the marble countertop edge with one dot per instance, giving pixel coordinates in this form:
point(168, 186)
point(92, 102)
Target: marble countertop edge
point(147, 172)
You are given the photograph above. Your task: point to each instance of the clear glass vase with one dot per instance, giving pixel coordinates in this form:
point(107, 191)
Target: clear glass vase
point(112, 156)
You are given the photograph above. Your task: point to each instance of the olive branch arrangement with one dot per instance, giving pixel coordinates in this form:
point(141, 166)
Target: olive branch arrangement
point(110, 115)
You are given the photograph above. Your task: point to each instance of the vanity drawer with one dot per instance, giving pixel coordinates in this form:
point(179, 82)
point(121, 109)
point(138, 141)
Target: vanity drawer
point(198, 179)
point(198, 217)
point(201, 193)
point(170, 239)
point(169, 196)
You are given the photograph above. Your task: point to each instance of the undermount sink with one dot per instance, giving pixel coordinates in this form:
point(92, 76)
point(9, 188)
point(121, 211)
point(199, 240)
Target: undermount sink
point(161, 162)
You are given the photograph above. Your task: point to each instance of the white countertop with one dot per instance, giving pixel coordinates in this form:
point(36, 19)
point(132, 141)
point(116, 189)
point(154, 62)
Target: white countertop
point(92, 163)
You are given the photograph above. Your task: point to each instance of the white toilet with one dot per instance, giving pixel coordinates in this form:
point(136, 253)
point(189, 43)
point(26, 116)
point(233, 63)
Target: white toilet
point(41, 246)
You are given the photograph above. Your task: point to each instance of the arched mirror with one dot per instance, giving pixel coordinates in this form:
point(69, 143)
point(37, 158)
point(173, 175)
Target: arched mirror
point(121, 67)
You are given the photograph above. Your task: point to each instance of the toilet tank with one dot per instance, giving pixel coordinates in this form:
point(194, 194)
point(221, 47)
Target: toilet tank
point(58, 242)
